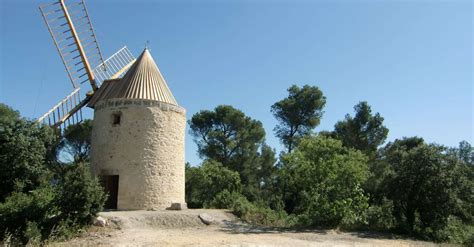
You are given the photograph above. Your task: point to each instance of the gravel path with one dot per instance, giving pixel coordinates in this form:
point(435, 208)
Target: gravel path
point(184, 228)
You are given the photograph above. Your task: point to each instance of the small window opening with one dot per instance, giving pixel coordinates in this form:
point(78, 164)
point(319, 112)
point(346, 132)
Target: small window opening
point(116, 117)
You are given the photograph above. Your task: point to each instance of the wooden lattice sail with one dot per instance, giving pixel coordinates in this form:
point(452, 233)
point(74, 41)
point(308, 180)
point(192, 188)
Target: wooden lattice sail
point(71, 29)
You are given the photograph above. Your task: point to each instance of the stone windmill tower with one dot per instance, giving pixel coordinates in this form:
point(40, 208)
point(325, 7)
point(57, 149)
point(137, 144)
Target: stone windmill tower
point(138, 128)
point(138, 139)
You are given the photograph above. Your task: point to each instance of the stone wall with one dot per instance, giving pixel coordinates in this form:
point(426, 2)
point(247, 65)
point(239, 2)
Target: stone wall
point(146, 150)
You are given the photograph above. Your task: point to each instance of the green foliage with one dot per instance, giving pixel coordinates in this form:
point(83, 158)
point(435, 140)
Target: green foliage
point(76, 142)
point(254, 213)
point(52, 209)
point(33, 233)
point(22, 215)
point(80, 196)
point(226, 135)
point(376, 185)
point(259, 214)
point(193, 186)
point(7, 114)
point(224, 199)
point(39, 198)
point(205, 182)
point(427, 187)
point(229, 137)
point(465, 153)
point(298, 114)
point(380, 216)
point(264, 176)
point(24, 149)
point(364, 131)
point(455, 231)
point(321, 182)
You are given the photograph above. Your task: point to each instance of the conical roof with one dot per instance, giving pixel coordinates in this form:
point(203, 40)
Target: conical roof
point(142, 81)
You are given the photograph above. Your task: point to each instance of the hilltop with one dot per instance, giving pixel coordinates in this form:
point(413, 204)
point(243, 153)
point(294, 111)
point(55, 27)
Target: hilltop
point(184, 228)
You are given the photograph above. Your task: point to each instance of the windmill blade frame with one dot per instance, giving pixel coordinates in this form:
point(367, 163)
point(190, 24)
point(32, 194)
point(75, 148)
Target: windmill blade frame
point(114, 66)
point(69, 26)
point(69, 109)
point(68, 39)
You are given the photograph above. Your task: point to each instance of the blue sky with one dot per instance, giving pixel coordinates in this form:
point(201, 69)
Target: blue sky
point(411, 60)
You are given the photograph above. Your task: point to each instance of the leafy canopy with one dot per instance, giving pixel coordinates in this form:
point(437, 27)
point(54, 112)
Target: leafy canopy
point(364, 131)
point(24, 151)
point(205, 182)
point(321, 182)
point(40, 197)
point(298, 114)
point(428, 185)
point(228, 136)
point(75, 144)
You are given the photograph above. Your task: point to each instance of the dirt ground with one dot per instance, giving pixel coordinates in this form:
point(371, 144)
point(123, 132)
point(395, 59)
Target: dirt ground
point(184, 228)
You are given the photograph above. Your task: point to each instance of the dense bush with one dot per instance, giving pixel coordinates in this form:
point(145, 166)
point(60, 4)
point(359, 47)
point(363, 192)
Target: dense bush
point(80, 196)
point(321, 183)
point(380, 216)
point(24, 153)
point(30, 215)
point(256, 213)
point(39, 197)
point(208, 180)
point(54, 209)
point(425, 187)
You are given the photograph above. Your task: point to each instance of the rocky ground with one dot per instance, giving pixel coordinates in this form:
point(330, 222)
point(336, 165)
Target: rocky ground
point(185, 228)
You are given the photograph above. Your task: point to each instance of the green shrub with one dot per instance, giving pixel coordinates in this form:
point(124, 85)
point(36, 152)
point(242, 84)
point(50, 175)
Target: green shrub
point(455, 231)
point(64, 230)
point(53, 210)
point(40, 198)
point(24, 149)
point(33, 233)
point(380, 217)
point(321, 182)
point(28, 215)
point(80, 195)
point(255, 213)
point(205, 182)
point(224, 200)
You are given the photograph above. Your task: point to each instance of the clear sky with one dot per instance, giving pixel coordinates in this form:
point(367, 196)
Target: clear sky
point(411, 60)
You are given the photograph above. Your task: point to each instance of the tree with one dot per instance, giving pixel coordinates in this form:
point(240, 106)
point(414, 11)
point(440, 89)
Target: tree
point(364, 131)
point(22, 211)
point(298, 114)
point(80, 195)
point(226, 135)
point(266, 172)
point(76, 142)
point(466, 152)
point(37, 200)
point(205, 182)
point(321, 183)
point(424, 187)
point(24, 150)
point(229, 137)
point(8, 114)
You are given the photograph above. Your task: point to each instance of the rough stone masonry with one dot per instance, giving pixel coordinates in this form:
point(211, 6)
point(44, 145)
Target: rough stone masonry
point(138, 135)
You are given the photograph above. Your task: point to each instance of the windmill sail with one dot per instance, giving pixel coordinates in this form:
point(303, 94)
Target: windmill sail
point(65, 111)
point(73, 35)
point(114, 66)
point(69, 110)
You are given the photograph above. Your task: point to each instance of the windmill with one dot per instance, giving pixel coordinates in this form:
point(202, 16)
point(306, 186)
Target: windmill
point(71, 29)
